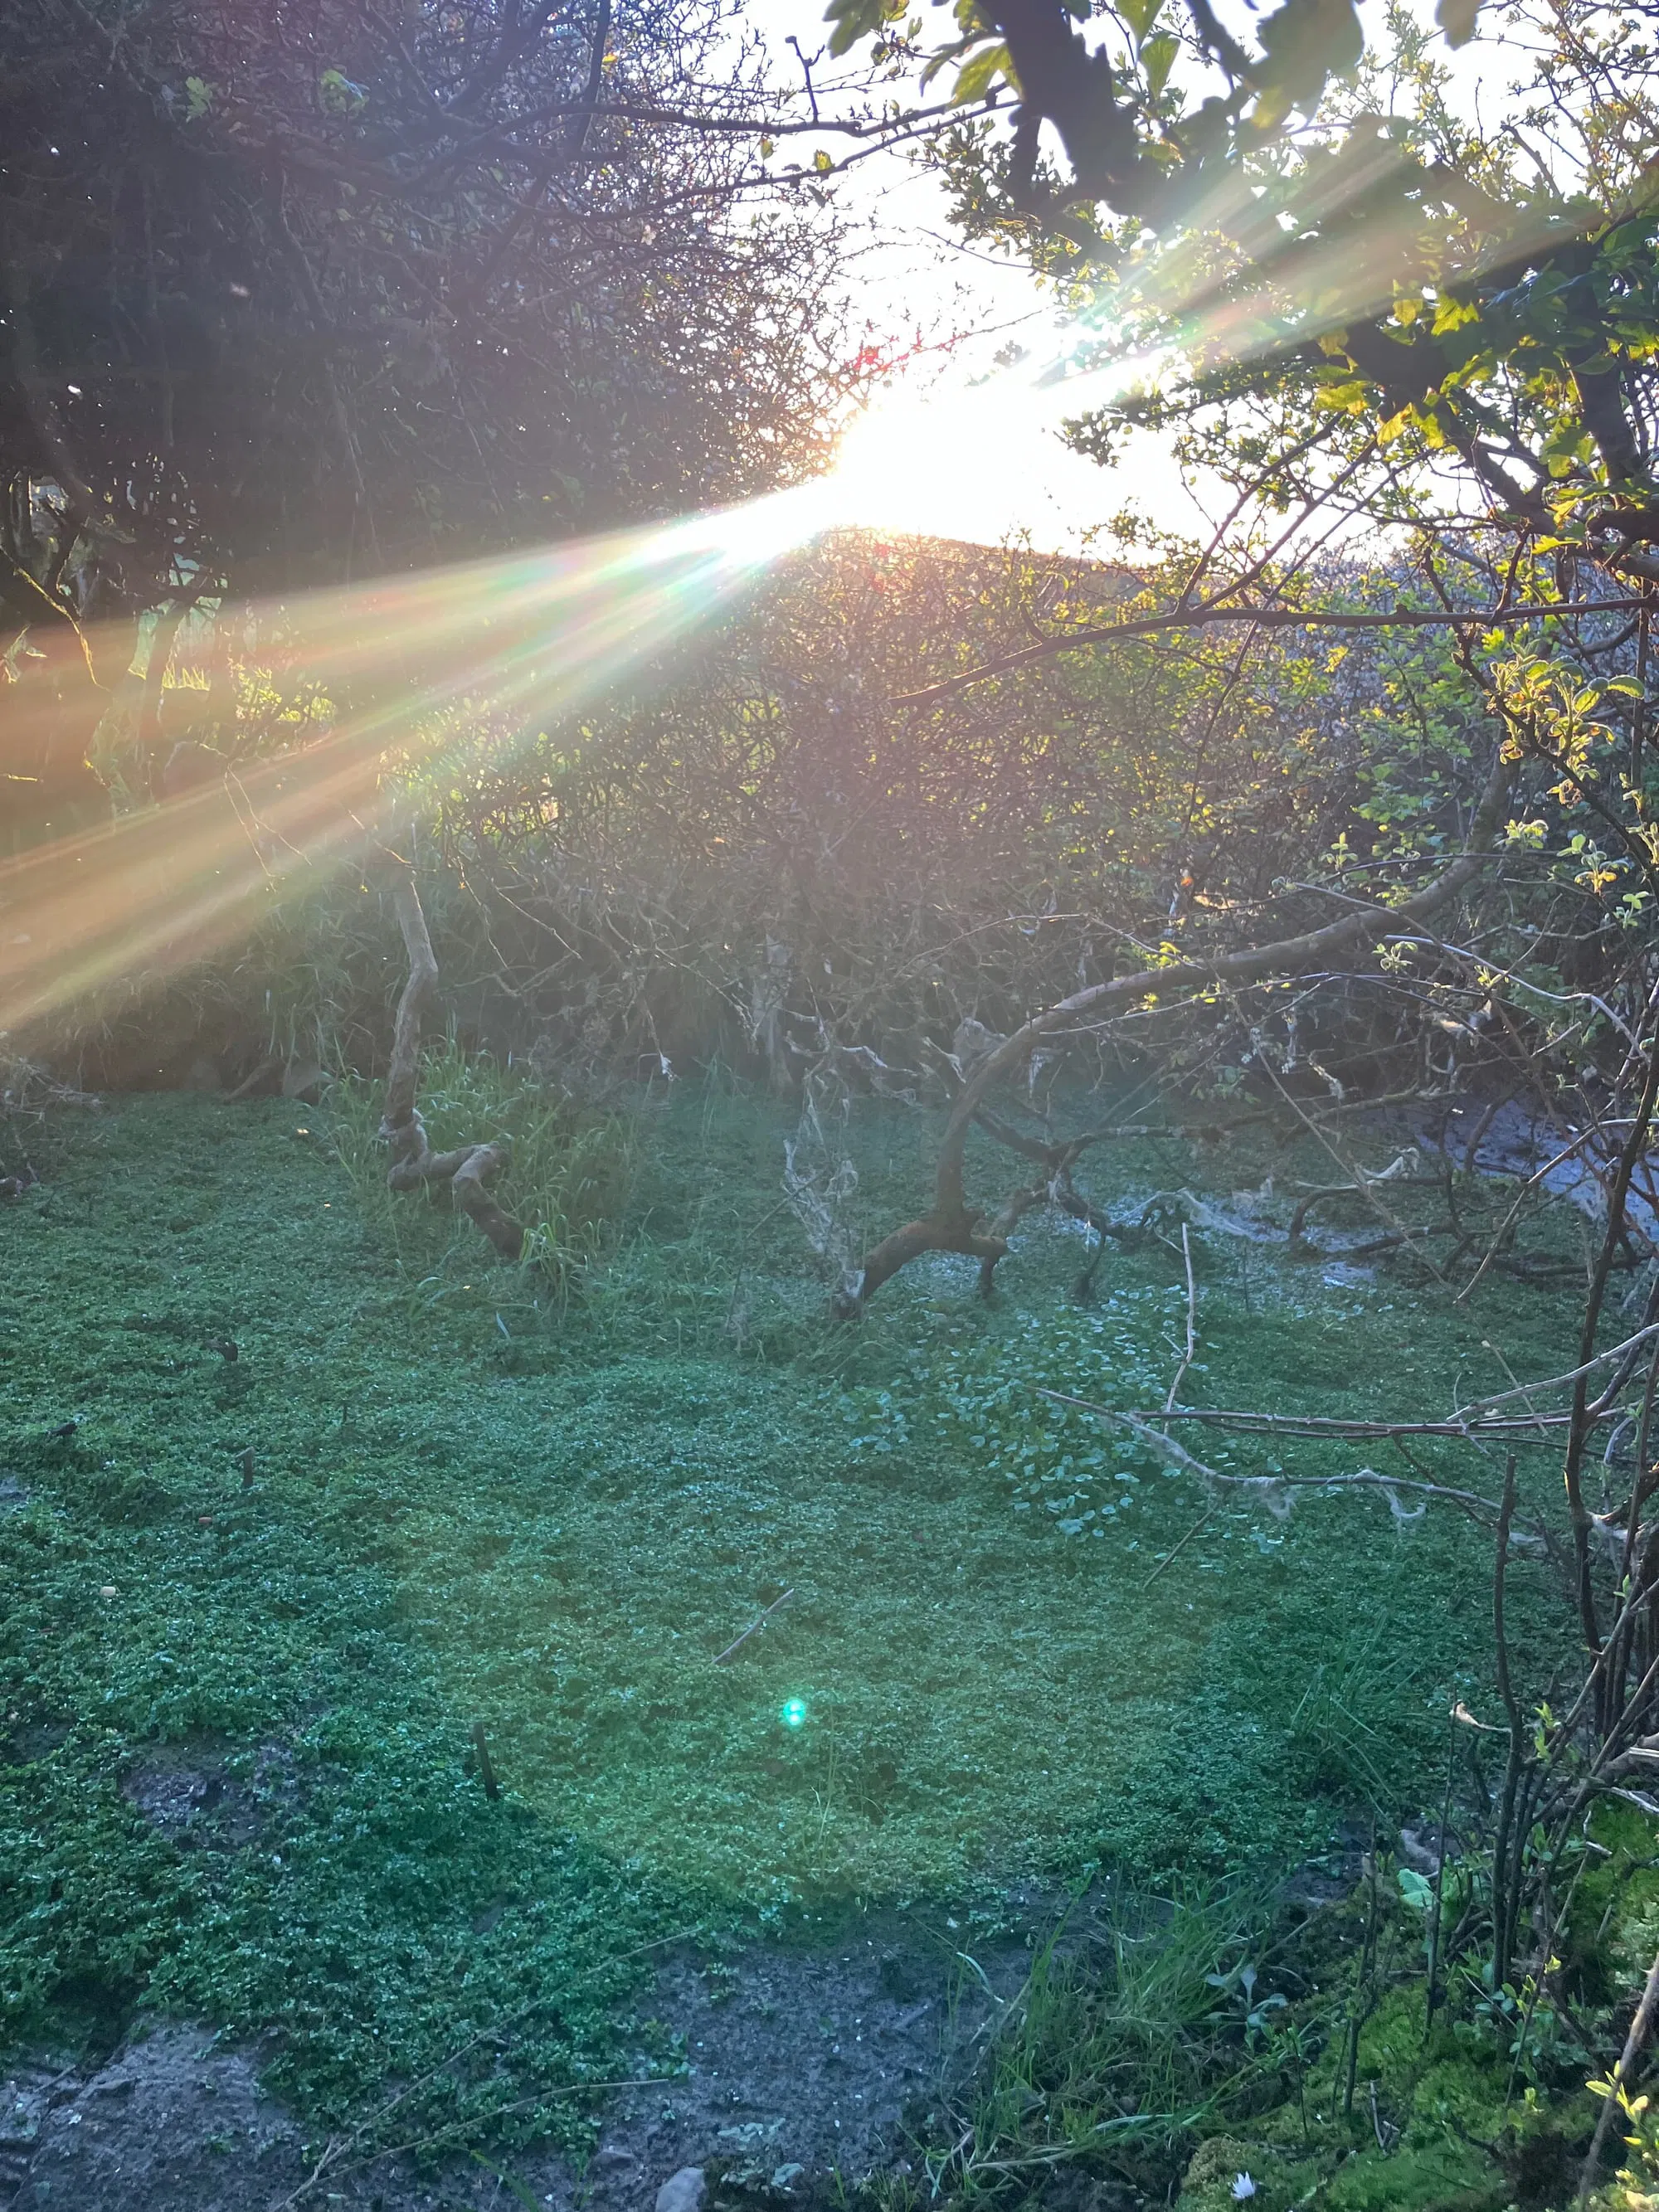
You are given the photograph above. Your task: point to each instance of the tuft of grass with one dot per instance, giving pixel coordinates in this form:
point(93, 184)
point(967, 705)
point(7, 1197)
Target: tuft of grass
point(565, 1178)
point(1125, 2041)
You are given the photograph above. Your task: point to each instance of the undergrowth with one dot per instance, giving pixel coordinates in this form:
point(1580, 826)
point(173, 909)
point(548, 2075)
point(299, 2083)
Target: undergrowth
point(481, 1497)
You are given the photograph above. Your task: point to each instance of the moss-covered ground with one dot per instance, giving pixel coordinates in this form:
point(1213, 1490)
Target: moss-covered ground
point(545, 1504)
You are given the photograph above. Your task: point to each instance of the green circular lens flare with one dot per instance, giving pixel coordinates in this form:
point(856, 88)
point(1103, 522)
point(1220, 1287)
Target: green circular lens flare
point(793, 1712)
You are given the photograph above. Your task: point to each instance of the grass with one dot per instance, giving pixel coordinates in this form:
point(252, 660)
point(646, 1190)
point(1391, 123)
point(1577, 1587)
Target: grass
point(481, 1497)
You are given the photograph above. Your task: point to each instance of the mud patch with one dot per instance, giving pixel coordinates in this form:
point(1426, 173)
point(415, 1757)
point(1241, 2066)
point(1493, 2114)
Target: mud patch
point(798, 2065)
point(171, 2125)
point(194, 1795)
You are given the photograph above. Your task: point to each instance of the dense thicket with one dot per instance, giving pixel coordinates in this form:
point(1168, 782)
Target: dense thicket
point(302, 292)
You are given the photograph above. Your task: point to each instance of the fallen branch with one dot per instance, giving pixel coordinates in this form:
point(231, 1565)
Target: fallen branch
point(1475, 1419)
point(950, 1227)
point(1274, 1490)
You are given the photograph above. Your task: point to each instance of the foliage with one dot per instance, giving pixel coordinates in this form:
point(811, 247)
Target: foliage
point(291, 301)
point(1381, 283)
point(370, 296)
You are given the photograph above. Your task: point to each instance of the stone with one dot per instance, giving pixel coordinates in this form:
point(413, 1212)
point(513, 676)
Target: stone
point(684, 2191)
point(22, 2111)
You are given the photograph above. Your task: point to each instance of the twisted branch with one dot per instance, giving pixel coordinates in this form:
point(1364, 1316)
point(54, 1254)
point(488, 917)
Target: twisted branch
point(950, 1226)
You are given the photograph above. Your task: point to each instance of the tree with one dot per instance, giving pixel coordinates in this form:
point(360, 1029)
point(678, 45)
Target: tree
point(299, 294)
point(1362, 307)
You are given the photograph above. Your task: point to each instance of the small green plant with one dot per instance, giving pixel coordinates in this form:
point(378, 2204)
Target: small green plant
point(1140, 2021)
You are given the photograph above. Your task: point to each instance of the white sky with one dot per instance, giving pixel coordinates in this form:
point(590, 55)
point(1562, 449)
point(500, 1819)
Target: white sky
point(936, 458)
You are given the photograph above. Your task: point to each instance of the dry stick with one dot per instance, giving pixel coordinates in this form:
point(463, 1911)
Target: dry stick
point(470, 1167)
point(1621, 1639)
point(1472, 1154)
point(1186, 1358)
point(1440, 1877)
point(1503, 1901)
point(1635, 1144)
point(1202, 1521)
point(486, 1771)
point(1621, 2074)
point(1191, 1350)
point(1366, 1188)
point(1520, 1197)
point(1471, 1415)
point(738, 1643)
point(1314, 1425)
point(1356, 2019)
point(1367, 1478)
point(1262, 617)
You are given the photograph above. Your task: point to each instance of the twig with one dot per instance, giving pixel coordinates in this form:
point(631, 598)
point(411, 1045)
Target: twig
point(1208, 1515)
point(1262, 617)
point(1364, 1478)
point(1471, 1417)
point(1440, 1878)
point(492, 1787)
point(738, 1643)
point(1188, 1355)
point(1315, 1425)
point(1621, 2074)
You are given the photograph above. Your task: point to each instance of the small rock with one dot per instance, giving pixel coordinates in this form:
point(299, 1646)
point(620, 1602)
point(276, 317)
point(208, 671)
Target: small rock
point(684, 2191)
point(609, 2157)
point(22, 2111)
point(304, 1078)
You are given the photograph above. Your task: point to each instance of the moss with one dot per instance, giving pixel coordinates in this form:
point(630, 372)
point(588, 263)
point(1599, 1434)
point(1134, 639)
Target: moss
point(1612, 1926)
point(1441, 2177)
point(1278, 2180)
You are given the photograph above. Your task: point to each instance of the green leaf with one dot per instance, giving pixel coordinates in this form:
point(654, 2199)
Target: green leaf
point(975, 78)
point(1139, 15)
point(1306, 42)
point(200, 94)
point(1456, 18)
point(1157, 58)
point(852, 20)
point(338, 94)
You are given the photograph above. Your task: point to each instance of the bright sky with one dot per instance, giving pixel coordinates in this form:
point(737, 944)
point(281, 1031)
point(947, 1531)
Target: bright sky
point(939, 457)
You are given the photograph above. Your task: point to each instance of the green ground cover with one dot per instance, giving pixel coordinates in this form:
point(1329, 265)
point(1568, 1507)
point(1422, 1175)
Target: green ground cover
point(545, 1504)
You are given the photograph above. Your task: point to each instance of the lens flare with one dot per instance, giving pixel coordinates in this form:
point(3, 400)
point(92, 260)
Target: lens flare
point(428, 674)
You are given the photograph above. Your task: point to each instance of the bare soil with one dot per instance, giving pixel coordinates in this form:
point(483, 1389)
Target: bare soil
point(800, 2065)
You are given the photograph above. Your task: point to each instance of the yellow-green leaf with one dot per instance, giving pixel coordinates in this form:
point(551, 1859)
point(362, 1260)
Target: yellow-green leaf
point(1157, 58)
point(978, 73)
point(1139, 15)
